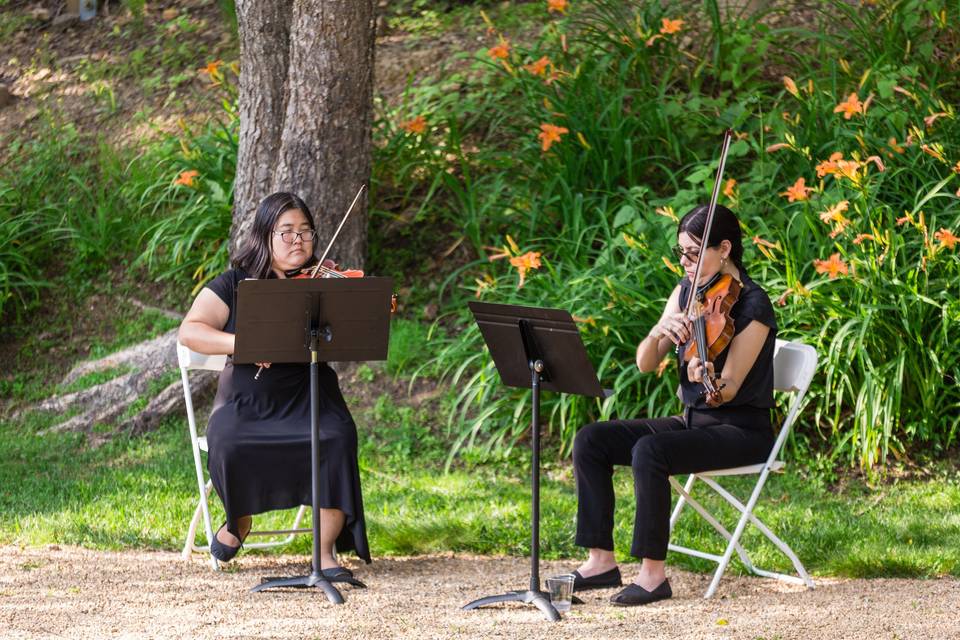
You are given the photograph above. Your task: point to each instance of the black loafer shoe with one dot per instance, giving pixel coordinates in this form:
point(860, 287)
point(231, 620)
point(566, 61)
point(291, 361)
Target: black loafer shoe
point(223, 552)
point(635, 595)
point(336, 572)
point(603, 580)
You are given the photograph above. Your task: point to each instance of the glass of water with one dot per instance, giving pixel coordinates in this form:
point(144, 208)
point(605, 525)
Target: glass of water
point(561, 591)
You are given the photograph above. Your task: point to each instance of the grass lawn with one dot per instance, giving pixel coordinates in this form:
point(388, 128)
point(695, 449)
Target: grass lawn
point(140, 493)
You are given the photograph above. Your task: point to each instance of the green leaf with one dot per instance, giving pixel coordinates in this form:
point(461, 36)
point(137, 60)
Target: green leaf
point(624, 216)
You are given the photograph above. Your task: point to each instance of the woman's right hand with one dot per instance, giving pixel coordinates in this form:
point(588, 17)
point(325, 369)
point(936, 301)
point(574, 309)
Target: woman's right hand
point(674, 326)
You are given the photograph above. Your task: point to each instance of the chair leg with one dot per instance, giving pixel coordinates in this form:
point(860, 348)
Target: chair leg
point(804, 577)
point(709, 517)
point(746, 512)
point(188, 545)
point(687, 488)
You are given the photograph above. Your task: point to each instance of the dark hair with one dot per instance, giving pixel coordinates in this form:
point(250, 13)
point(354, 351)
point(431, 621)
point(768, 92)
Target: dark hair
point(255, 256)
point(725, 226)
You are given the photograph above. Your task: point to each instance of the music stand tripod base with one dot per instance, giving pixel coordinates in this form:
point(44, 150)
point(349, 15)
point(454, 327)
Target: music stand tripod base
point(313, 580)
point(538, 598)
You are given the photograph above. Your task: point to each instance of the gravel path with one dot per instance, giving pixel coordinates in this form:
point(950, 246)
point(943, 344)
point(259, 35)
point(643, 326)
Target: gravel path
point(76, 593)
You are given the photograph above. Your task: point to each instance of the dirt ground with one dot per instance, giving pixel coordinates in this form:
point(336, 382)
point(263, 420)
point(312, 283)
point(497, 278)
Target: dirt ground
point(76, 593)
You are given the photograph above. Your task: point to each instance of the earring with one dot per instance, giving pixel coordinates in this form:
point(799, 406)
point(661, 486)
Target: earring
point(723, 262)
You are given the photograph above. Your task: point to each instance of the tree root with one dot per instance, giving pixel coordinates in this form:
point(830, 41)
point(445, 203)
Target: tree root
point(112, 402)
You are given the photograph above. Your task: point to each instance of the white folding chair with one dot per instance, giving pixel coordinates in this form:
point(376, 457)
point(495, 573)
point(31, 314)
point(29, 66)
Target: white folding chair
point(794, 364)
point(192, 360)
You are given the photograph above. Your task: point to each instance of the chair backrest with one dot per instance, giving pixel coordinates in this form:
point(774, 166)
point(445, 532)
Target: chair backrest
point(794, 364)
point(192, 360)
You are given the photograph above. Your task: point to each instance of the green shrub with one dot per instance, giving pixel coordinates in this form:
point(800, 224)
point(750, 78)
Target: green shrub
point(577, 153)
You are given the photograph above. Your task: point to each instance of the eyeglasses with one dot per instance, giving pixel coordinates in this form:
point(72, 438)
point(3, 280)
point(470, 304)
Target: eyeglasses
point(692, 256)
point(289, 237)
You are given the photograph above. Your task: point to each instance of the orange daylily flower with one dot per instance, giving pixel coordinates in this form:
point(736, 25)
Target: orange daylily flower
point(539, 67)
point(501, 51)
point(904, 220)
point(550, 133)
point(835, 213)
point(525, 262)
point(849, 169)
point(833, 266)
point(893, 145)
point(791, 86)
point(863, 236)
point(186, 178)
point(956, 167)
point(946, 238)
point(212, 68)
point(416, 126)
point(669, 27)
point(765, 246)
point(757, 240)
point(850, 106)
point(728, 187)
point(829, 167)
point(558, 6)
point(798, 192)
point(777, 147)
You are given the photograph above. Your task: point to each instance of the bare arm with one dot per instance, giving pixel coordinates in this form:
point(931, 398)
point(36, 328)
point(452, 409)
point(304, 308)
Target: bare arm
point(744, 349)
point(672, 329)
point(202, 328)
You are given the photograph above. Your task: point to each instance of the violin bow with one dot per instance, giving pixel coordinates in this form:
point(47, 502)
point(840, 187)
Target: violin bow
point(316, 269)
point(727, 136)
point(711, 390)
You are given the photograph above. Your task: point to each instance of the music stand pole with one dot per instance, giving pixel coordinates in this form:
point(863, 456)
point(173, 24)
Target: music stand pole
point(533, 595)
point(316, 577)
point(536, 349)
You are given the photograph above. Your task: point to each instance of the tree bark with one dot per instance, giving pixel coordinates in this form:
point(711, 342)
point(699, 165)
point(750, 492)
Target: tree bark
point(306, 96)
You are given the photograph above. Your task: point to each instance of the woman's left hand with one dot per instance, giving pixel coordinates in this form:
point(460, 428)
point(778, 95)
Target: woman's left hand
point(695, 370)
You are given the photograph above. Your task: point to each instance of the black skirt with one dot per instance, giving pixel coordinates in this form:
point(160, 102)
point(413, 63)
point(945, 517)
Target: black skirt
point(259, 446)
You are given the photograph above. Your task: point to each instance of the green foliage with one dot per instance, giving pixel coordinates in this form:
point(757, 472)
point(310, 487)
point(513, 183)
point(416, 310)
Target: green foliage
point(575, 155)
point(193, 211)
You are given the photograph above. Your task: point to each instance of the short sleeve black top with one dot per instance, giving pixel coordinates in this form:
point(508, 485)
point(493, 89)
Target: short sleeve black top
point(757, 388)
point(225, 286)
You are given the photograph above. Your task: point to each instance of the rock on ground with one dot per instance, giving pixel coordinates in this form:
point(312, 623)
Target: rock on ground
point(61, 592)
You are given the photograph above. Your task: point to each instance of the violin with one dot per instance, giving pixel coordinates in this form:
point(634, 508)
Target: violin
point(708, 307)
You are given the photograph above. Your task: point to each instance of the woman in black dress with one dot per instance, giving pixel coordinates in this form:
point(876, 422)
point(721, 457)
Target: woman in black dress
point(735, 433)
point(259, 431)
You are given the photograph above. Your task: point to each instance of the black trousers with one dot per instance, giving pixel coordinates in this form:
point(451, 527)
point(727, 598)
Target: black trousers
point(657, 448)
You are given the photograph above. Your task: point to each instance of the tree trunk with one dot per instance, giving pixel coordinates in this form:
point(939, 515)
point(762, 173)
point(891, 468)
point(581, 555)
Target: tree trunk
point(306, 96)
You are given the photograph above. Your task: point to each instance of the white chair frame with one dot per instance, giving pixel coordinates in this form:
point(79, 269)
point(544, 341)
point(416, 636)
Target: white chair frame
point(191, 360)
point(794, 364)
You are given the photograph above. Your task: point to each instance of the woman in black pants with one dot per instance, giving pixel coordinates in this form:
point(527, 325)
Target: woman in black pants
point(737, 432)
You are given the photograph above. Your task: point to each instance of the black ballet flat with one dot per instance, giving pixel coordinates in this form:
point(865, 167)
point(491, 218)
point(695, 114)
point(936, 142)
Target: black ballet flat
point(336, 572)
point(342, 574)
point(223, 552)
point(603, 580)
point(634, 595)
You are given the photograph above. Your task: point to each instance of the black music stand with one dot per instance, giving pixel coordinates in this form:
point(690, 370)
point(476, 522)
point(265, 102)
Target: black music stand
point(535, 348)
point(313, 320)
